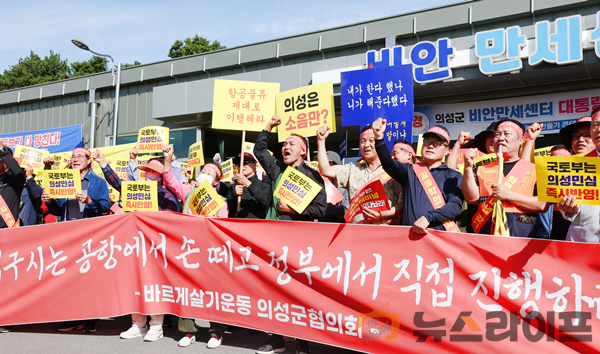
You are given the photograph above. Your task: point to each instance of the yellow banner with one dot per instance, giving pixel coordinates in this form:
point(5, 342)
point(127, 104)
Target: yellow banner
point(296, 189)
point(541, 152)
point(152, 139)
point(559, 176)
point(314, 165)
point(206, 200)
point(31, 156)
point(305, 109)
point(227, 169)
point(196, 155)
point(243, 105)
point(139, 195)
point(61, 160)
point(62, 183)
point(39, 179)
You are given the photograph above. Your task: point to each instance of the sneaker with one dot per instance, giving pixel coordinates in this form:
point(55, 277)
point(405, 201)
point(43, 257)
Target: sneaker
point(275, 344)
point(89, 327)
point(134, 332)
point(214, 342)
point(302, 347)
point(6, 329)
point(188, 340)
point(69, 326)
point(153, 335)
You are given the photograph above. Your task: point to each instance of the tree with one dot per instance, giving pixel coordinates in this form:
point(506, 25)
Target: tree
point(193, 46)
point(128, 65)
point(94, 65)
point(34, 70)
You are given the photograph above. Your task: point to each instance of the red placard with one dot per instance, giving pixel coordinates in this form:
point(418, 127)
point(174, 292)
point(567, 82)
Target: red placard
point(372, 196)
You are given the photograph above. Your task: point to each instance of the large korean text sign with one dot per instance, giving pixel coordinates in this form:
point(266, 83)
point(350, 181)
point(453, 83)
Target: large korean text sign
point(390, 292)
point(559, 176)
point(243, 105)
point(53, 140)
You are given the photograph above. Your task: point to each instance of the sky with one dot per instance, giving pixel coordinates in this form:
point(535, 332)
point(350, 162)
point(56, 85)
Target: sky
point(145, 30)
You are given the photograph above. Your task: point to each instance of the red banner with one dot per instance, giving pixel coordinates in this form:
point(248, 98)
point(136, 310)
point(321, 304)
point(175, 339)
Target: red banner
point(377, 289)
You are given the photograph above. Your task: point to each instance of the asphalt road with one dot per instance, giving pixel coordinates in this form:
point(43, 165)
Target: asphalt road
point(43, 338)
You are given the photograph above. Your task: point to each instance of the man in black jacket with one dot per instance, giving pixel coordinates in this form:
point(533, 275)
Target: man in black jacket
point(12, 182)
point(256, 194)
point(293, 151)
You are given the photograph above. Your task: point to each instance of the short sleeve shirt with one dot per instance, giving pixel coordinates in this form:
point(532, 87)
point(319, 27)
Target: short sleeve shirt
point(353, 176)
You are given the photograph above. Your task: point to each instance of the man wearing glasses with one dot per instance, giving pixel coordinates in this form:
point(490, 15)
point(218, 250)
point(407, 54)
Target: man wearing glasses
point(432, 196)
point(92, 201)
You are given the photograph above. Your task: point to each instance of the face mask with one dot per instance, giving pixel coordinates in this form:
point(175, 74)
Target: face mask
point(203, 177)
point(153, 177)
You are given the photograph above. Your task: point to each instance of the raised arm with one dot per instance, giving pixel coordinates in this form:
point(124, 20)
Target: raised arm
point(463, 138)
point(326, 170)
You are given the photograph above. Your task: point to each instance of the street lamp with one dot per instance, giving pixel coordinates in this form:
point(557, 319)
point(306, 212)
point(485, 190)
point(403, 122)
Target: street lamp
point(81, 44)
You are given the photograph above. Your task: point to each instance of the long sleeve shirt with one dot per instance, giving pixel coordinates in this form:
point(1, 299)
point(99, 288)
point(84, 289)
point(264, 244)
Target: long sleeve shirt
point(11, 185)
point(31, 197)
point(274, 168)
point(166, 199)
point(416, 201)
point(255, 200)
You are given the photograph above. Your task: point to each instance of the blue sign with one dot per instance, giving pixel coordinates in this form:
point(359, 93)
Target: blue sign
point(54, 140)
point(384, 92)
point(344, 145)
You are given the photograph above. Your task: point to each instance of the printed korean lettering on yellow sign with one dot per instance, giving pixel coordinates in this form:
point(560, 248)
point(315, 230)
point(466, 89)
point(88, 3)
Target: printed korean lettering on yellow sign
point(142, 161)
point(152, 139)
point(227, 169)
point(205, 200)
point(296, 189)
point(31, 156)
point(62, 183)
point(305, 109)
point(113, 194)
point(120, 167)
point(139, 195)
point(243, 105)
point(560, 176)
point(61, 160)
point(196, 155)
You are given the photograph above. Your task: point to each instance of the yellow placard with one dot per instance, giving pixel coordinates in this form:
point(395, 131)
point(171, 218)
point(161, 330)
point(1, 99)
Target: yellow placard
point(243, 105)
point(139, 195)
point(305, 109)
point(113, 194)
point(296, 189)
point(183, 167)
point(560, 176)
point(314, 165)
point(541, 152)
point(485, 159)
point(152, 139)
point(196, 155)
point(420, 145)
point(62, 183)
point(31, 156)
point(61, 160)
point(205, 200)
point(120, 167)
point(227, 169)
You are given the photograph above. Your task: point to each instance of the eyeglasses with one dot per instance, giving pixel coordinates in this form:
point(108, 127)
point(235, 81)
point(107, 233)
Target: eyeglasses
point(579, 136)
point(74, 157)
point(435, 143)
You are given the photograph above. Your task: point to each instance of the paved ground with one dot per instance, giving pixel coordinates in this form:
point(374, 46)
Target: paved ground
point(43, 338)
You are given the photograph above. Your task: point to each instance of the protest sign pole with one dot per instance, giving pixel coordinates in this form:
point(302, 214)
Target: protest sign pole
point(307, 150)
point(239, 206)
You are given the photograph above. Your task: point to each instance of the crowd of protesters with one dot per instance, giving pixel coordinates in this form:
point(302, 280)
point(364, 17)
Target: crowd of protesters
point(423, 192)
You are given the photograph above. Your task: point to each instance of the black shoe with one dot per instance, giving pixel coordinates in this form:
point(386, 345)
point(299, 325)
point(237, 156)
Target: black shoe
point(69, 326)
point(89, 326)
point(275, 344)
point(6, 329)
point(302, 347)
